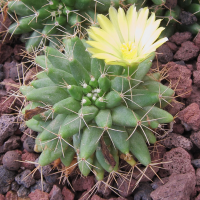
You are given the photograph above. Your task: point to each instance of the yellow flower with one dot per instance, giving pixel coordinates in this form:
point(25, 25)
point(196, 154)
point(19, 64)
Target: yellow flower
point(125, 39)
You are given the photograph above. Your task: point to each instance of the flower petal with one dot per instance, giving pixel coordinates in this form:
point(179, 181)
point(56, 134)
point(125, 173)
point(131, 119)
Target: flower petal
point(123, 26)
point(131, 17)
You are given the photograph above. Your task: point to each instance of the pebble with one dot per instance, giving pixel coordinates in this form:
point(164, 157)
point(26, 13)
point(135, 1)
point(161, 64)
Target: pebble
point(67, 194)
point(52, 178)
point(38, 195)
point(11, 195)
point(143, 192)
point(7, 127)
point(15, 186)
point(25, 178)
point(23, 191)
point(29, 144)
point(11, 160)
point(4, 190)
point(55, 193)
point(196, 163)
point(6, 176)
point(38, 185)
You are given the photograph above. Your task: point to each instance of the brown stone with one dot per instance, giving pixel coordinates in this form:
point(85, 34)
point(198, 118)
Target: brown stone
point(197, 40)
point(180, 79)
point(177, 161)
point(172, 46)
point(26, 156)
point(179, 187)
point(37, 194)
point(191, 116)
point(67, 194)
point(11, 195)
point(187, 51)
point(195, 138)
point(83, 183)
point(179, 38)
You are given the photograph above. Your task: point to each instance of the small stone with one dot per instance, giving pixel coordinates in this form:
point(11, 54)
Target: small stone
point(191, 116)
point(179, 38)
point(29, 144)
point(83, 183)
point(25, 178)
point(157, 182)
point(125, 187)
point(174, 140)
point(174, 106)
point(45, 169)
point(12, 143)
point(178, 128)
point(196, 78)
point(30, 157)
point(180, 79)
point(103, 189)
point(187, 18)
point(195, 138)
point(8, 126)
point(172, 46)
point(196, 163)
point(96, 197)
point(2, 197)
point(23, 191)
point(165, 54)
point(55, 193)
point(187, 51)
point(177, 161)
point(38, 185)
point(179, 187)
point(6, 176)
point(198, 176)
point(67, 194)
point(4, 189)
point(143, 192)
point(38, 194)
point(194, 97)
point(197, 40)
point(11, 195)
point(15, 186)
point(52, 178)
point(11, 160)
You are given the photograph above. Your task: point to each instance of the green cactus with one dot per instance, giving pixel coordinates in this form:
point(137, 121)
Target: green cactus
point(93, 110)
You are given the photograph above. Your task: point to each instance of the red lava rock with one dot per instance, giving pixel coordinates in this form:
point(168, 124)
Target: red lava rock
point(12, 143)
point(194, 97)
point(2, 197)
point(67, 194)
point(191, 116)
point(118, 198)
point(5, 52)
point(198, 197)
point(11, 195)
point(187, 51)
point(197, 40)
point(180, 77)
point(171, 3)
point(7, 66)
point(177, 161)
point(164, 54)
point(179, 38)
point(83, 183)
point(174, 107)
point(30, 157)
point(198, 176)
point(8, 126)
point(125, 187)
point(174, 140)
point(195, 138)
point(178, 128)
point(30, 75)
point(179, 187)
point(2, 93)
point(38, 195)
point(187, 18)
point(96, 197)
point(11, 160)
point(190, 67)
point(55, 193)
point(10, 85)
point(172, 46)
point(196, 78)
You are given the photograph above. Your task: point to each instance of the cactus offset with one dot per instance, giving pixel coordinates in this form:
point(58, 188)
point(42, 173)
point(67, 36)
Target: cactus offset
point(98, 112)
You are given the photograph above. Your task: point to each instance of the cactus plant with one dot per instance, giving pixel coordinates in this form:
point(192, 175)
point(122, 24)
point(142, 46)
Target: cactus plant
point(99, 111)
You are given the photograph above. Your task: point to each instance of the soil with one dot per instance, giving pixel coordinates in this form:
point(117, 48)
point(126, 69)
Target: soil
point(175, 158)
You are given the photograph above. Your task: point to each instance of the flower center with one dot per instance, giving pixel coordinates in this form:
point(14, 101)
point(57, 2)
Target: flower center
point(129, 50)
